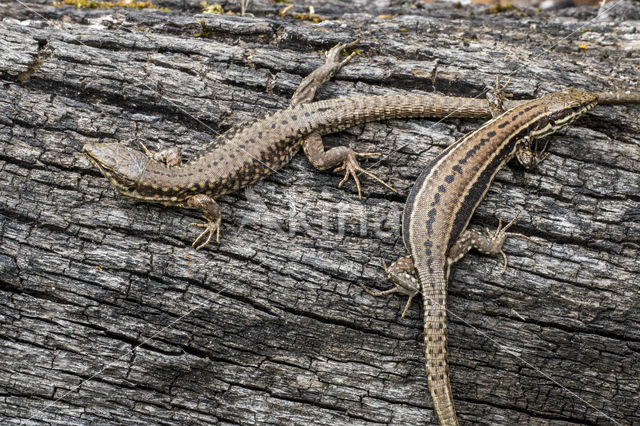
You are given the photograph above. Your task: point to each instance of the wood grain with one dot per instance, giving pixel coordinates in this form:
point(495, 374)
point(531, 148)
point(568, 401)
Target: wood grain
point(108, 314)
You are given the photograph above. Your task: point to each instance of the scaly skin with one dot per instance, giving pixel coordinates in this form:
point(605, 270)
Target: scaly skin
point(438, 209)
point(441, 204)
point(249, 152)
point(253, 150)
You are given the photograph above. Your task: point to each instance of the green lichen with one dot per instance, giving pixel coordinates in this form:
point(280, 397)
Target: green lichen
point(96, 4)
point(499, 8)
point(204, 31)
point(215, 9)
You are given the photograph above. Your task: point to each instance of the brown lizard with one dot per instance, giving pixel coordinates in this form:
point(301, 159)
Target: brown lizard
point(445, 196)
point(253, 150)
point(249, 152)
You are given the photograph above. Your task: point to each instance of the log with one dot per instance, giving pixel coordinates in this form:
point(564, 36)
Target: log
point(109, 315)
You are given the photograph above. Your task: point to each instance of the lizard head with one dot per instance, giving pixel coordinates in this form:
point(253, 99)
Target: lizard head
point(123, 166)
point(563, 108)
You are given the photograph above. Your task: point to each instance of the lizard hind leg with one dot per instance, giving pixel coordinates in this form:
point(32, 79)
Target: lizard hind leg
point(306, 91)
point(340, 158)
point(490, 244)
point(402, 274)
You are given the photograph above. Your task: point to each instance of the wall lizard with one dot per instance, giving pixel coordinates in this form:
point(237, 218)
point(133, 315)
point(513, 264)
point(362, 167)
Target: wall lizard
point(442, 201)
point(249, 152)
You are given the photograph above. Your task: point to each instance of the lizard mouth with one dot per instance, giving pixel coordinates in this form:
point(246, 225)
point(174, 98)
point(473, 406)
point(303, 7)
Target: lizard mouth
point(116, 162)
point(88, 152)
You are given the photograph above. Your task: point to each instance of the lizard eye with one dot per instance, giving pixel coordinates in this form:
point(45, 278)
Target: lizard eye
point(122, 165)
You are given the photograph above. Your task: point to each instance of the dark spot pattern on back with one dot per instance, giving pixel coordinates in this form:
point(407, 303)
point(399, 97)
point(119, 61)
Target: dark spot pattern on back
point(474, 196)
point(427, 248)
point(429, 223)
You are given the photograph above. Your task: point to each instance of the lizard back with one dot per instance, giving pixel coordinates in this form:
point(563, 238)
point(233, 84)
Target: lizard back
point(253, 150)
point(444, 198)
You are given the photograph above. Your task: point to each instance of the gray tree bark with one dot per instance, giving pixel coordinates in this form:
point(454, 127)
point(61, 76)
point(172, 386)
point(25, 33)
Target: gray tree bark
point(109, 315)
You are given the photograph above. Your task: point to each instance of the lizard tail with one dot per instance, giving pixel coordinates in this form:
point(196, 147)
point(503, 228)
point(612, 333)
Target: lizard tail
point(434, 297)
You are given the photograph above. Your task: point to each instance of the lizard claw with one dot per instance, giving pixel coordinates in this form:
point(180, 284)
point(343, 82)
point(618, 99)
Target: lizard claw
point(334, 53)
point(351, 167)
point(529, 156)
point(211, 227)
point(501, 234)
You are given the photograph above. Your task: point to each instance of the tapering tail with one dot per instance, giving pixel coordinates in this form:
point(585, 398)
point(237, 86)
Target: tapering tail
point(434, 296)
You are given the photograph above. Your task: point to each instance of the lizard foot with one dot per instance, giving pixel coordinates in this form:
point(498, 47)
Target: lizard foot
point(529, 156)
point(497, 238)
point(401, 273)
point(211, 212)
point(210, 228)
point(351, 167)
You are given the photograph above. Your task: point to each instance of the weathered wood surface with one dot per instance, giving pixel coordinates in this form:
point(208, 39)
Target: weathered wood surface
point(109, 315)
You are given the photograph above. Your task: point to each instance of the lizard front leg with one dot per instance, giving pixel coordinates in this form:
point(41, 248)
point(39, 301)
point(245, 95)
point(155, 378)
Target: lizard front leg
point(211, 212)
point(528, 154)
point(341, 157)
point(171, 156)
